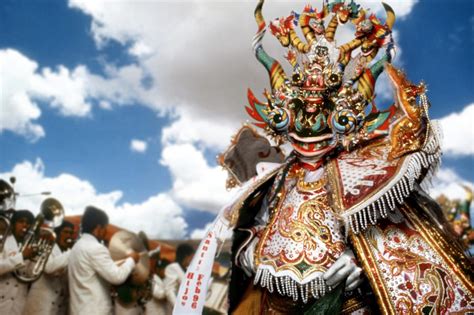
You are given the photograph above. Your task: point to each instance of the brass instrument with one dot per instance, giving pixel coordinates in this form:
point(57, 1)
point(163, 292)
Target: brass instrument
point(7, 203)
point(137, 288)
point(41, 238)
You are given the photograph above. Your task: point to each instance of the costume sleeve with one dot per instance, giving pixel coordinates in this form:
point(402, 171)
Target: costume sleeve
point(159, 292)
point(10, 261)
point(11, 258)
point(57, 262)
point(103, 264)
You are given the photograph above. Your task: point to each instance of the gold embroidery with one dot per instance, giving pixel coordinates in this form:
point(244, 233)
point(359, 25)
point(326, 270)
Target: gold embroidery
point(370, 266)
point(308, 229)
point(452, 256)
point(303, 186)
point(334, 188)
point(310, 226)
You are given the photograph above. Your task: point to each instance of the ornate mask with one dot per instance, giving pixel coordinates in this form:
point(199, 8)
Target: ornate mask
point(325, 103)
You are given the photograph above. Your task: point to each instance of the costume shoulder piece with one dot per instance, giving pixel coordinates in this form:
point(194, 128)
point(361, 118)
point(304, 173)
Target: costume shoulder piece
point(376, 177)
point(366, 184)
point(252, 163)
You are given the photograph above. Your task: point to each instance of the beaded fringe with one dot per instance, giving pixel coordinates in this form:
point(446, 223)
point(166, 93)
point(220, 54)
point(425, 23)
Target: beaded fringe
point(286, 286)
point(421, 167)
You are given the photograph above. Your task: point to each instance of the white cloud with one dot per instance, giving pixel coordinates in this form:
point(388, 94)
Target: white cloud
point(18, 111)
point(105, 105)
point(70, 92)
point(22, 85)
point(188, 128)
point(159, 216)
point(458, 132)
point(139, 146)
point(449, 183)
point(402, 8)
point(195, 184)
point(140, 49)
point(64, 89)
point(198, 234)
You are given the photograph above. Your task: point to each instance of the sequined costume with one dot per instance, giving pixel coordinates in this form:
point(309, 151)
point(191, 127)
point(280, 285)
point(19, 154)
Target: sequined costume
point(354, 179)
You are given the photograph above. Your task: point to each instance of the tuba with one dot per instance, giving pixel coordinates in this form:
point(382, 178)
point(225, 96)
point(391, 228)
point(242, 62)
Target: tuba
point(42, 238)
point(7, 204)
point(137, 288)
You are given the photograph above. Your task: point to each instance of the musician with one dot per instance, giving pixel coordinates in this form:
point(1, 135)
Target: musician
point(158, 304)
point(12, 291)
point(175, 272)
point(49, 295)
point(92, 270)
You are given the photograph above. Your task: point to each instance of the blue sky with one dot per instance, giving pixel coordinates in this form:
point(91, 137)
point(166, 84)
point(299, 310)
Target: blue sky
point(135, 79)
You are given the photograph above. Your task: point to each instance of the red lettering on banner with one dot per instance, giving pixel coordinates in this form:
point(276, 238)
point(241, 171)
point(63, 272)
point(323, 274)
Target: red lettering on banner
point(205, 248)
point(196, 298)
point(200, 276)
point(194, 305)
point(190, 275)
point(207, 241)
point(197, 290)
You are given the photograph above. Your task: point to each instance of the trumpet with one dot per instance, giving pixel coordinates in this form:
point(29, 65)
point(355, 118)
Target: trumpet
point(41, 239)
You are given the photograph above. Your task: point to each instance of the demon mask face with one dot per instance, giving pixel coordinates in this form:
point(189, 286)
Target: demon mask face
point(324, 104)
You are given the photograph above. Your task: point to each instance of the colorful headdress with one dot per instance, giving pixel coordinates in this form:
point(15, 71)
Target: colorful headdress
point(328, 101)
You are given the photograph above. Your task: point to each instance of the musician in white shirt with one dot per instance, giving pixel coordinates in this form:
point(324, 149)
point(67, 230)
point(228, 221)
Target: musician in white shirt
point(49, 295)
point(175, 272)
point(92, 270)
point(12, 291)
point(161, 289)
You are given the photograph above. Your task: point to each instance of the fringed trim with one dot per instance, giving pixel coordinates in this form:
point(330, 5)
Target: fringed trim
point(421, 167)
point(284, 285)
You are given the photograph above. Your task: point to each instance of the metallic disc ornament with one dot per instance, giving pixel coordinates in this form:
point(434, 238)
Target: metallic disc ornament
point(122, 244)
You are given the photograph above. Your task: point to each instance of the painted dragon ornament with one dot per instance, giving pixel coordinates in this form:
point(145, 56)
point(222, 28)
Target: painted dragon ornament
point(352, 182)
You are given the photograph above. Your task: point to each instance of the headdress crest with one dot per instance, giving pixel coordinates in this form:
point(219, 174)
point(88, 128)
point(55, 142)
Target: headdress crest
point(328, 100)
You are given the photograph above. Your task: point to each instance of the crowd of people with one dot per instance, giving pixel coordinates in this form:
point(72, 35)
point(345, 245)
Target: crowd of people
point(80, 276)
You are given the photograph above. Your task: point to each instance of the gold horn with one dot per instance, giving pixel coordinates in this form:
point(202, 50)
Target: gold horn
point(390, 15)
point(275, 70)
point(41, 237)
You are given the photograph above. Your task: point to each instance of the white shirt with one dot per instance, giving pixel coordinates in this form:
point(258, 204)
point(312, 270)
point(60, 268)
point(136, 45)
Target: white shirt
point(12, 291)
point(49, 294)
point(158, 305)
point(174, 274)
point(90, 273)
